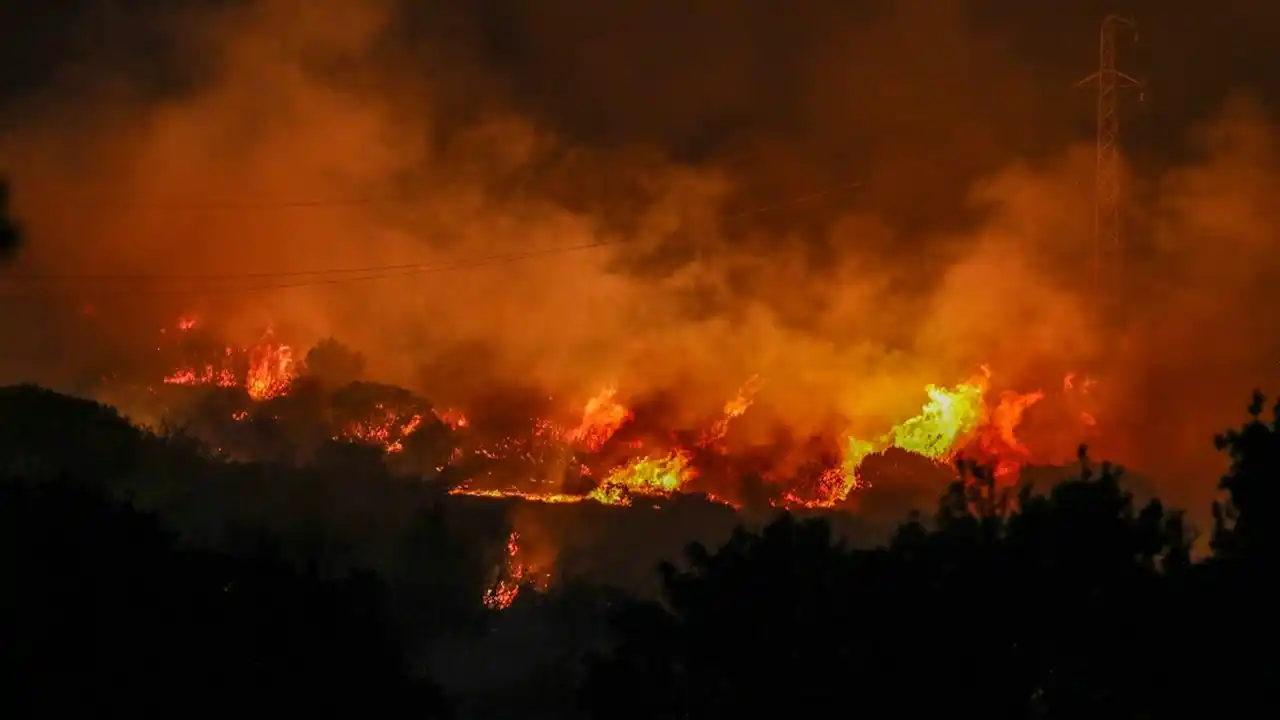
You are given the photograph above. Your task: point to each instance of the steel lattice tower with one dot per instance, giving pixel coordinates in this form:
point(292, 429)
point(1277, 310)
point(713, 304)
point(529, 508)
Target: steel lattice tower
point(1107, 182)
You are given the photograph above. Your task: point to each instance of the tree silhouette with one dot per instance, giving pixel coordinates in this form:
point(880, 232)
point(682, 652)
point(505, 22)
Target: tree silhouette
point(338, 512)
point(1235, 593)
point(10, 231)
point(1246, 526)
point(1014, 612)
point(334, 363)
point(105, 612)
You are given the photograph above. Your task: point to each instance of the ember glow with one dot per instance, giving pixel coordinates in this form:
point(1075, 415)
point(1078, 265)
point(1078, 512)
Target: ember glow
point(388, 430)
point(271, 369)
point(515, 574)
point(208, 375)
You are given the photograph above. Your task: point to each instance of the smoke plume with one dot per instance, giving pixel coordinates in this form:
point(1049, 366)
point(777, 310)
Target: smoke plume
point(850, 199)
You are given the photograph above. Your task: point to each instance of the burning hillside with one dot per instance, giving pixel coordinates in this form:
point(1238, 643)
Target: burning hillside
point(613, 449)
point(562, 278)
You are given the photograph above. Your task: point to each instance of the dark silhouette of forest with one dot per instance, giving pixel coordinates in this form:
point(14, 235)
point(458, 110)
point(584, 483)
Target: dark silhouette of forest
point(1075, 602)
point(145, 572)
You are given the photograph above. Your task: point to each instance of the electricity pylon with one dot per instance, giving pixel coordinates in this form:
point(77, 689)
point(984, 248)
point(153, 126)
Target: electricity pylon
point(1107, 181)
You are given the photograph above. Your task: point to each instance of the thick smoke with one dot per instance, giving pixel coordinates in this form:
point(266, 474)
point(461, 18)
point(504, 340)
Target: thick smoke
point(281, 137)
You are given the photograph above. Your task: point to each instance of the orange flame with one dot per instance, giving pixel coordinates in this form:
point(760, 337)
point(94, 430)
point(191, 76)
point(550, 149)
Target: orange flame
point(600, 420)
point(733, 409)
point(208, 375)
point(388, 430)
point(958, 420)
point(653, 477)
point(515, 575)
point(270, 372)
point(953, 420)
point(271, 369)
point(453, 418)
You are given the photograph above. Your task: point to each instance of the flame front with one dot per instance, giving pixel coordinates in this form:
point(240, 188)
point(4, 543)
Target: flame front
point(602, 457)
point(611, 454)
point(951, 415)
point(954, 420)
point(388, 430)
point(515, 574)
point(645, 477)
point(270, 368)
point(601, 418)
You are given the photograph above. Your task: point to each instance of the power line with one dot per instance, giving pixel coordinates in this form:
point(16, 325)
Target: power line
point(225, 206)
point(143, 277)
point(385, 273)
point(345, 275)
point(245, 205)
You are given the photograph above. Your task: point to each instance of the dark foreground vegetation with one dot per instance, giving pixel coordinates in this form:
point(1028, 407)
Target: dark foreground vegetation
point(106, 613)
point(141, 574)
point(10, 233)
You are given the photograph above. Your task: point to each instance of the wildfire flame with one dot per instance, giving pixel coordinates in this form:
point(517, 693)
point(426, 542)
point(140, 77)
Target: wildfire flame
point(601, 418)
point(962, 419)
point(954, 420)
point(388, 431)
point(513, 576)
point(608, 456)
point(269, 374)
point(453, 418)
point(733, 409)
point(645, 477)
point(271, 369)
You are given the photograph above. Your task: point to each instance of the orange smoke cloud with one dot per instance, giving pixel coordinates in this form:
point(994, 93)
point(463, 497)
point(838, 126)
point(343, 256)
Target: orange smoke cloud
point(302, 137)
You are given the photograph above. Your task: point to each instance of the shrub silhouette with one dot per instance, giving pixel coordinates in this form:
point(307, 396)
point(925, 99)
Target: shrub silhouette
point(334, 363)
point(11, 235)
point(1246, 524)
